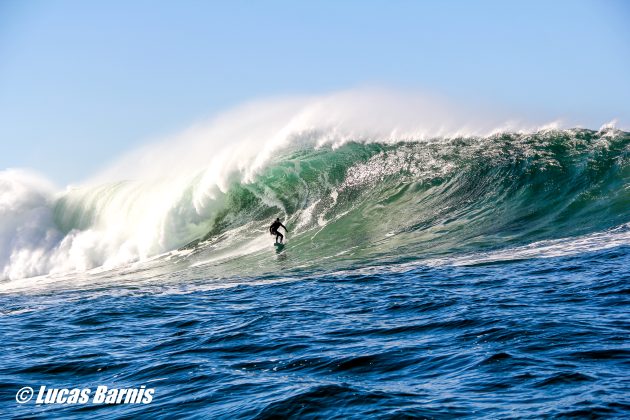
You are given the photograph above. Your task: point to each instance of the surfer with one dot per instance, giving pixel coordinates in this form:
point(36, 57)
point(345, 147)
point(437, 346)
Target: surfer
point(273, 229)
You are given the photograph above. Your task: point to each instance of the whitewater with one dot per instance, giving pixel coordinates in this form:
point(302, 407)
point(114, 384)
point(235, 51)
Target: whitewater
point(442, 261)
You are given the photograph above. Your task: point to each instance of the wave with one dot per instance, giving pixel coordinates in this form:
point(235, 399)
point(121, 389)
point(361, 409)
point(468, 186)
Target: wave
point(346, 196)
point(410, 200)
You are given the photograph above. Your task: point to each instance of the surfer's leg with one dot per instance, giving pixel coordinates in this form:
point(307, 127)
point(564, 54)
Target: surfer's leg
point(281, 237)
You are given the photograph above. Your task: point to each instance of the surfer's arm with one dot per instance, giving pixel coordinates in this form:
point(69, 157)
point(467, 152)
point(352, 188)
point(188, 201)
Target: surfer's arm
point(285, 228)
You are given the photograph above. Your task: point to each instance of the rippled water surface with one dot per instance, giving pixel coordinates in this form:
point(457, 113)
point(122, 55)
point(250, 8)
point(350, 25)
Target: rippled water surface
point(517, 338)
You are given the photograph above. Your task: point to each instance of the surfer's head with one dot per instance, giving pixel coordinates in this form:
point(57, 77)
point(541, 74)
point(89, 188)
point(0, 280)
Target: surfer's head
point(277, 219)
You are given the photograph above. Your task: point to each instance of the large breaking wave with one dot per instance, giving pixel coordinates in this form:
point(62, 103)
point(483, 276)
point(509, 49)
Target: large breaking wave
point(348, 188)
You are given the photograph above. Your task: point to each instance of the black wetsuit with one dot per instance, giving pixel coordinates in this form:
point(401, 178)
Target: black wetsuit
point(274, 230)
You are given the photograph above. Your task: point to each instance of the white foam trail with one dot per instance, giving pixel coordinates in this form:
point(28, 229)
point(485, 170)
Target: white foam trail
point(564, 247)
point(553, 248)
point(597, 241)
point(178, 183)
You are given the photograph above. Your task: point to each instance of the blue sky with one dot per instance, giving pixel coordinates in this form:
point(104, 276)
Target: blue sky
point(82, 82)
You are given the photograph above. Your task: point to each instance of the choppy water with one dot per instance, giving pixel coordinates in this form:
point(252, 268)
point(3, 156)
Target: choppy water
point(529, 338)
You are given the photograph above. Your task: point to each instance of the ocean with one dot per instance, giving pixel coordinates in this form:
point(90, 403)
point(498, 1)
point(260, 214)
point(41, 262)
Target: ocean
point(442, 277)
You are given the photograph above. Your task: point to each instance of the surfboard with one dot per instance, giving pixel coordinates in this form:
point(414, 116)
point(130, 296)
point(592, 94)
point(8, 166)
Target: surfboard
point(279, 246)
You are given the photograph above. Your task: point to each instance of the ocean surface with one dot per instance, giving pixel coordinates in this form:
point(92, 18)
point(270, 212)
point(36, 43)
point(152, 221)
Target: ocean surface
point(471, 276)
